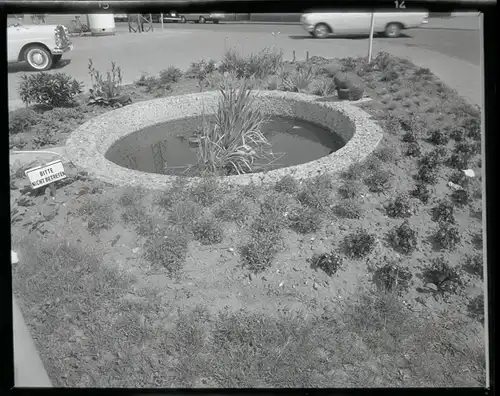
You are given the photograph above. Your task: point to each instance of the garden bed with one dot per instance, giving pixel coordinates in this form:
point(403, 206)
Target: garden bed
point(372, 277)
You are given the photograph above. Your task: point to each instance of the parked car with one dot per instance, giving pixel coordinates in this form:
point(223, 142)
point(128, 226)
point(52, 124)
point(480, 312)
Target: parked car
point(173, 16)
point(40, 46)
point(323, 24)
point(214, 17)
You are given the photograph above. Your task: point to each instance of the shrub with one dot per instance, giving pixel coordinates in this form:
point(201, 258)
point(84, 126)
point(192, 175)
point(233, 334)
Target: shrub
point(434, 157)
point(170, 75)
point(207, 192)
point(460, 197)
point(421, 192)
point(332, 69)
point(208, 231)
point(443, 212)
point(473, 263)
point(324, 88)
point(404, 238)
point(106, 88)
point(447, 236)
point(232, 209)
point(410, 137)
point(439, 137)
point(476, 308)
point(287, 184)
point(356, 92)
point(55, 90)
point(413, 150)
point(266, 62)
point(259, 253)
point(458, 134)
point(393, 278)
point(427, 174)
point(305, 220)
point(459, 160)
point(472, 125)
point(386, 154)
point(399, 207)
point(168, 251)
point(379, 181)
point(354, 172)
point(348, 209)
point(21, 120)
point(184, 214)
point(446, 278)
point(350, 189)
point(298, 80)
point(459, 177)
point(359, 243)
point(330, 263)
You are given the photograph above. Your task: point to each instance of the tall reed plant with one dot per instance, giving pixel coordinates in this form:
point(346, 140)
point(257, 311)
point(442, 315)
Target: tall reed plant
point(233, 143)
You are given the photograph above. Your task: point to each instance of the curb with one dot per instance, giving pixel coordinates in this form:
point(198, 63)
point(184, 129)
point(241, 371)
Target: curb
point(28, 367)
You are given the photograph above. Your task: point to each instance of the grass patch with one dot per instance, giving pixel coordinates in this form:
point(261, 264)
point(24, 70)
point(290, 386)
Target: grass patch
point(184, 214)
point(403, 238)
point(330, 263)
point(208, 231)
point(232, 209)
point(348, 209)
point(305, 220)
point(399, 207)
point(446, 278)
point(167, 252)
point(359, 243)
point(100, 215)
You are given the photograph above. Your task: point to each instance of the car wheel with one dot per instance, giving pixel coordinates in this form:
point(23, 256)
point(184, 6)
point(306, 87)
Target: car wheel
point(321, 30)
point(56, 58)
point(38, 58)
point(216, 21)
point(393, 30)
point(202, 20)
point(183, 20)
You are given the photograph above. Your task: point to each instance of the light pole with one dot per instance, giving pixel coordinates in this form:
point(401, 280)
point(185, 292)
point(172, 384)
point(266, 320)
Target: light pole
point(370, 42)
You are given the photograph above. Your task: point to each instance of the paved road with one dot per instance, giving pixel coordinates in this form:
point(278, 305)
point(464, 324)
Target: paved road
point(179, 45)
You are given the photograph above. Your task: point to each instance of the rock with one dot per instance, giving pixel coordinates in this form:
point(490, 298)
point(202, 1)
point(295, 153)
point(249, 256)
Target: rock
point(454, 186)
point(296, 269)
point(231, 250)
point(469, 173)
point(48, 211)
point(45, 228)
point(13, 257)
point(315, 286)
point(281, 284)
point(431, 286)
point(135, 250)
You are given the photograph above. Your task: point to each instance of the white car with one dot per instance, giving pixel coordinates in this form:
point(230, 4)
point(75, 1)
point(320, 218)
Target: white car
point(324, 24)
point(40, 46)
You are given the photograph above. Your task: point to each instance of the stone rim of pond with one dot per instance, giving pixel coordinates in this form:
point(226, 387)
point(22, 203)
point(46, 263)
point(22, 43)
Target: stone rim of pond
point(88, 144)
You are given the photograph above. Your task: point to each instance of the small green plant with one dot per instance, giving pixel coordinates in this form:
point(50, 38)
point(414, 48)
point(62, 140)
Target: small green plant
point(139, 218)
point(54, 90)
point(476, 308)
point(168, 251)
point(232, 209)
point(446, 278)
point(153, 85)
point(287, 184)
point(324, 88)
point(348, 209)
point(201, 71)
point(359, 243)
point(330, 262)
point(472, 125)
point(305, 220)
point(350, 189)
point(99, 215)
point(433, 158)
point(170, 75)
point(421, 191)
point(427, 174)
point(393, 278)
point(379, 181)
point(459, 160)
point(460, 197)
point(260, 65)
point(413, 150)
point(386, 154)
point(207, 192)
point(443, 212)
point(21, 120)
point(399, 207)
point(208, 231)
point(354, 172)
point(298, 80)
point(439, 137)
point(410, 137)
point(184, 214)
point(459, 177)
point(317, 194)
point(458, 134)
point(104, 89)
point(45, 135)
point(403, 238)
point(447, 236)
point(473, 263)
point(259, 252)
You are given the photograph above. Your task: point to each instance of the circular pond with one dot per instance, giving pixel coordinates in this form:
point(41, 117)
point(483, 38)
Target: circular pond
point(171, 147)
point(149, 144)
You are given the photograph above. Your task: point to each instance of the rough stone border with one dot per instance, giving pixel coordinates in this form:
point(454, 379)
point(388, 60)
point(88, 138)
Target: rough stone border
point(88, 145)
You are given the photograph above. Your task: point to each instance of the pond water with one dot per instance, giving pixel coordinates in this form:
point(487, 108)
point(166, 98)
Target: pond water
point(165, 148)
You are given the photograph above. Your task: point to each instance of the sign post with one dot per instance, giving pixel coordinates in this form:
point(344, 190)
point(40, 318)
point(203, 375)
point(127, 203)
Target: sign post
point(46, 174)
point(161, 19)
point(370, 45)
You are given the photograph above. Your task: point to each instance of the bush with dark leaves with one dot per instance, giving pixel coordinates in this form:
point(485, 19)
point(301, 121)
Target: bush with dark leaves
point(446, 278)
point(55, 90)
point(447, 236)
point(21, 120)
point(473, 127)
point(460, 197)
point(359, 243)
point(439, 137)
point(404, 238)
point(427, 174)
point(458, 134)
point(476, 308)
point(443, 212)
point(330, 263)
point(410, 137)
point(413, 150)
point(399, 207)
point(421, 192)
point(379, 181)
point(393, 278)
point(473, 263)
point(459, 177)
point(434, 157)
